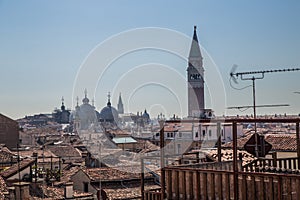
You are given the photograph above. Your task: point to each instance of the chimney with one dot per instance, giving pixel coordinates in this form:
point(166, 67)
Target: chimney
point(68, 190)
point(11, 193)
point(22, 191)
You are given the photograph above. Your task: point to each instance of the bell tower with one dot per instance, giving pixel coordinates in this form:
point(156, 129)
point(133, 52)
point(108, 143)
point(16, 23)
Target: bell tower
point(120, 105)
point(195, 79)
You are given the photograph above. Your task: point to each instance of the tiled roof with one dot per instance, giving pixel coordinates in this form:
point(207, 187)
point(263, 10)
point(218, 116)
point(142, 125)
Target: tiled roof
point(117, 173)
point(279, 142)
point(58, 193)
point(15, 168)
point(240, 142)
point(118, 132)
point(6, 156)
point(65, 151)
point(227, 155)
point(183, 127)
point(146, 146)
point(128, 192)
point(282, 142)
point(68, 173)
point(40, 152)
point(3, 188)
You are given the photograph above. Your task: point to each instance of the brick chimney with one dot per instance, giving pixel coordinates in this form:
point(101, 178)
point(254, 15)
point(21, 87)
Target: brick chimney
point(21, 191)
point(68, 194)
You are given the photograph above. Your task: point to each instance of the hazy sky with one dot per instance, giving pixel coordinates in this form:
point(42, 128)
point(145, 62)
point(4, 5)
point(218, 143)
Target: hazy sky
point(44, 43)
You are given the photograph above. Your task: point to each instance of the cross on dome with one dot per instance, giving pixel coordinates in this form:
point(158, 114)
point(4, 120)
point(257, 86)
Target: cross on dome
point(85, 100)
point(85, 93)
point(77, 100)
point(108, 96)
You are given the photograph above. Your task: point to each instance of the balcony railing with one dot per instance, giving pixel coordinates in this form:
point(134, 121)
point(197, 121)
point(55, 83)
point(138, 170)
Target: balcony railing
point(239, 183)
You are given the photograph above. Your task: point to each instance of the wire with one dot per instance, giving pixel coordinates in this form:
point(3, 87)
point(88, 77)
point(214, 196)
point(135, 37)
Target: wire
point(236, 87)
point(243, 110)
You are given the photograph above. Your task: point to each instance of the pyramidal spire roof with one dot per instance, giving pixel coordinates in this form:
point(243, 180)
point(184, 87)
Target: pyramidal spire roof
point(120, 100)
point(195, 48)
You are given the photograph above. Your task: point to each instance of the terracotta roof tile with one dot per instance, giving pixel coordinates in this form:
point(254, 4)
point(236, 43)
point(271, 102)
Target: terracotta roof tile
point(227, 155)
point(7, 156)
point(58, 193)
point(279, 142)
point(116, 173)
point(3, 188)
point(132, 191)
point(14, 168)
point(146, 146)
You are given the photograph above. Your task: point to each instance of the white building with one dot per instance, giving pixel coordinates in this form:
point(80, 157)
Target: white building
point(180, 137)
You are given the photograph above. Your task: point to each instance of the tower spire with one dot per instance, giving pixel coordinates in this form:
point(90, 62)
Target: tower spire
point(195, 78)
point(195, 34)
point(120, 105)
point(77, 101)
point(195, 49)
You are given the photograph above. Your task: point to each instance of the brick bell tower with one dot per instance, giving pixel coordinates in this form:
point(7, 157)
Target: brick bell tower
point(195, 79)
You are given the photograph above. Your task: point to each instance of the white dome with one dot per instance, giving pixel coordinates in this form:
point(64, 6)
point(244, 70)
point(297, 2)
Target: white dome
point(85, 114)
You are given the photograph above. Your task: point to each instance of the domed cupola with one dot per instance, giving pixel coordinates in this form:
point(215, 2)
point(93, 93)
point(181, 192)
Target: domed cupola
point(62, 104)
point(109, 113)
point(85, 100)
point(85, 113)
point(146, 117)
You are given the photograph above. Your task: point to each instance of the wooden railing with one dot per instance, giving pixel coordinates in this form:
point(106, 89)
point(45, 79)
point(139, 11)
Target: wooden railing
point(211, 184)
point(281, 163)
point(184, 183)
point(154, 194)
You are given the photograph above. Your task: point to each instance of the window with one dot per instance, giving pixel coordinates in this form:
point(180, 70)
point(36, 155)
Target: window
point(196, 134)
point(203, 133)
point(209, 133)
point(86, 187)
point(180, 134)
point(178, 148)
point(222, 132)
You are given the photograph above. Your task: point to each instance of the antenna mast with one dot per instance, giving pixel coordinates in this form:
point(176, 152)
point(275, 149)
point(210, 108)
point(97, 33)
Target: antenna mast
point(256, 75)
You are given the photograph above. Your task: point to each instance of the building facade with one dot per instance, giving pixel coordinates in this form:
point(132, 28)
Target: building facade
point(9, 132)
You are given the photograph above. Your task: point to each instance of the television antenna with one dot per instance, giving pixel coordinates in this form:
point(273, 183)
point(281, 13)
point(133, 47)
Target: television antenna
point(258, 106)
point(252, 76)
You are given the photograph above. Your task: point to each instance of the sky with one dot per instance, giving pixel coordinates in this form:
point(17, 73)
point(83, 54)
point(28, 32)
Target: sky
point(45, 46)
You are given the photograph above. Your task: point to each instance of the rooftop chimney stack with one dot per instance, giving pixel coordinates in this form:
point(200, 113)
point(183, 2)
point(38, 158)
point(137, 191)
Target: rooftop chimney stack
point(68, 190)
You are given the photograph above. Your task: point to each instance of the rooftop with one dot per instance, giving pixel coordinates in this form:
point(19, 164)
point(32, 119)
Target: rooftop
point(15, 168)
point(279, 142)
point(116, 173)
point(124, 140)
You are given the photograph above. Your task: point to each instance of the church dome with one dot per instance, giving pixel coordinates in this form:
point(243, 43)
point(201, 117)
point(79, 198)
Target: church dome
point(146, 115)
point(85, 114)
point(109, 113)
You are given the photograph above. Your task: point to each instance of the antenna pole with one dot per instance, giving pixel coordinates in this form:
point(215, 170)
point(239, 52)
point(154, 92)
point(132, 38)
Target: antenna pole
point(254, 116)
point(244, 76)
